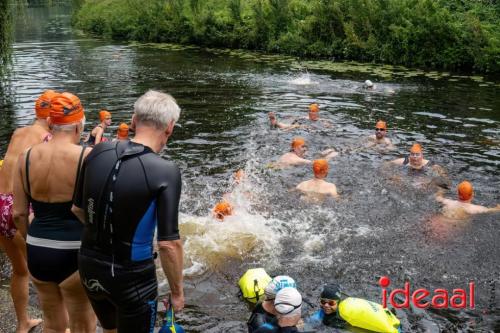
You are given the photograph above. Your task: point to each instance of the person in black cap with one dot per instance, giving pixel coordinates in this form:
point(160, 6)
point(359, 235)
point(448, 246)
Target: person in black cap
point(328, 315)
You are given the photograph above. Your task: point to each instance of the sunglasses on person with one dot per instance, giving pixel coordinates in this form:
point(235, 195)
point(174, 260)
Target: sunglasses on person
point(380, 129)
point(285, 303)
point(324, 301)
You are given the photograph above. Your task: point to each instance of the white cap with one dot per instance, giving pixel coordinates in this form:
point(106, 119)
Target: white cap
point(288, 302)
point(278, 283)
point(368, 83)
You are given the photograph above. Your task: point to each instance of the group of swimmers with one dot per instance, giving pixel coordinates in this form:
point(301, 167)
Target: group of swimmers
point(318, 187)
point(78, 220)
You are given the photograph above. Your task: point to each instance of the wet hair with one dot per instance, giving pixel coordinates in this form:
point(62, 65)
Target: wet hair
point(156, 109)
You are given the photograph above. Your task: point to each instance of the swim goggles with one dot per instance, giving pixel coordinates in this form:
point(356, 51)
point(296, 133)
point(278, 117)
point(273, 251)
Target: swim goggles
point(330, 302)
point(294, 307)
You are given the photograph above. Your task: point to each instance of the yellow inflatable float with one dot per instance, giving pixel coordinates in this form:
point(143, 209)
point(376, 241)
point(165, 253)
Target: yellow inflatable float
point(253, 283)
point(372, 316)
point(1, 163)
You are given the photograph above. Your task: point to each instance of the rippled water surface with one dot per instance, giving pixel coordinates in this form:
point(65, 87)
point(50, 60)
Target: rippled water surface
point(384, 223)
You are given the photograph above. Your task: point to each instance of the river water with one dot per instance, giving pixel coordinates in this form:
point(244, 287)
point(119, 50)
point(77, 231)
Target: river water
point(384, 224)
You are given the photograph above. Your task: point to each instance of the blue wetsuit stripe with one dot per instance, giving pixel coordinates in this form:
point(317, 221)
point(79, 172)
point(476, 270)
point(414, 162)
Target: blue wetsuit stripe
point(142, 243)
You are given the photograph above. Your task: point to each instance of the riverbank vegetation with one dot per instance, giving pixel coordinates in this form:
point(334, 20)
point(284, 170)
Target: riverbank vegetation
point(446, 34)
point(5, 33)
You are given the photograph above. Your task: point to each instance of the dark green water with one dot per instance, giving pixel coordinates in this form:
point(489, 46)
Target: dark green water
point(379, 227)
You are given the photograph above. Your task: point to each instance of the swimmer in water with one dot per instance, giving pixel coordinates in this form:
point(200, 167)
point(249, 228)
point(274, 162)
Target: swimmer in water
point(463, 207)
point(222, 210)
point(288, 307)
point(379, 139)
point(263, 318)
point(416, 164)
point(97, 134)
point(318, 185)
point(296, 155)
point(122, 132)
point(328, 315)
point(276, 124)
point(368, 85)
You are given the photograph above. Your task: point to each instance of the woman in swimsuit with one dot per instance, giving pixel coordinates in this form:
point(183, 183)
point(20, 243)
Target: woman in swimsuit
point(97, 134)
point(46, 178)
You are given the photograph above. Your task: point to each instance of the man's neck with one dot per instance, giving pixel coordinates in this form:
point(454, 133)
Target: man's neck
point(150, 137)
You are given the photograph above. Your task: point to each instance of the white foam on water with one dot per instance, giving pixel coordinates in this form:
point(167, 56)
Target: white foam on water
point(303, 80)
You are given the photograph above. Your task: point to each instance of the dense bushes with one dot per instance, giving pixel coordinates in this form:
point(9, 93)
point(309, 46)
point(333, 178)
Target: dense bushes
point(451, 34)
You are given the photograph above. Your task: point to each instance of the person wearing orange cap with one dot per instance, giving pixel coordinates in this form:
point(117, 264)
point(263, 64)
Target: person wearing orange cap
point(46, 177)
point(463, 207)
point(222, 210)
point(97, 134)
point(10, 239)
point(415, 160)
point(318, 185)
point(122, 132)
point(379, 139)
point(296, 155)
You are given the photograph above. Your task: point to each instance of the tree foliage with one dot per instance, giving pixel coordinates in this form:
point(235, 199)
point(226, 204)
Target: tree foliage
point(448, 34)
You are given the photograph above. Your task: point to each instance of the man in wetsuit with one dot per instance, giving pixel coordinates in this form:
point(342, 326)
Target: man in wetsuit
point(328, 315)
point(126, 190)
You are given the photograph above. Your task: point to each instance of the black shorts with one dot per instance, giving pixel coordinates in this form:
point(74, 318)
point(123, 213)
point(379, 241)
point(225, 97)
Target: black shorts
point(125, 301)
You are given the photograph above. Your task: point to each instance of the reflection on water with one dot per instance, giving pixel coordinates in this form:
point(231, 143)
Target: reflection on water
point(381, 225)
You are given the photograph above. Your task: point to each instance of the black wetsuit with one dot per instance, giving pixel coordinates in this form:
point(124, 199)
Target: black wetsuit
point(126, 191)
point(262, 321)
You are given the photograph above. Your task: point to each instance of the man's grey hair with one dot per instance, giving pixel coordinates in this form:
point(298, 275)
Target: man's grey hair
point(156, 109)
point(67, 127)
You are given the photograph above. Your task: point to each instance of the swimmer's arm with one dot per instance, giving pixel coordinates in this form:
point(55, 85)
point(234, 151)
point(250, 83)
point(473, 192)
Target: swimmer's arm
point(439, 196)
point(78, 198)
point(20, 210)
point(98, 135)
point(329, 153)
point(389, 144)
point(334, 192)
point(440, 170)
point(398, 161)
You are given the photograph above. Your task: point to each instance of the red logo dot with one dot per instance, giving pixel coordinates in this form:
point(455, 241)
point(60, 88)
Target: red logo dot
point(384, 282)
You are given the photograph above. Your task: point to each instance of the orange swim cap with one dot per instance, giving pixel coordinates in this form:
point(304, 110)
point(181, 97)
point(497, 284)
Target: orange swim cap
point(66, 109)
point(314, 107)
point(42, 104)
point(103, 114)
point(465, 190)
point(122, 131)
point(222, 209)
point(239, 175)
point(381, 124)
point(298, 142)
point(416, 148)
point(320, 167)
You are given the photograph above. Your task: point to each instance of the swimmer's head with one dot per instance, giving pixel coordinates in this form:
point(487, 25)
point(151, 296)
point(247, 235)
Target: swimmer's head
point(314, 111)
point(43, 103)
point(238, 176)
point(277, 283)
point(299, 146)
point(369, 84)
point(272, 118)
point(288, 303)
point(320, 168)
point(66, 109)
point(380, 129)
point(105, 116)
point(465, 191)
point(330, 297)
point(222, 209)
point(122, 133)
point(416, 154)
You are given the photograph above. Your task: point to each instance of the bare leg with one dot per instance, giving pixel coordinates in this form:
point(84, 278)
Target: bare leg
point(81, 315)
point(54, 312)
point(19, 282)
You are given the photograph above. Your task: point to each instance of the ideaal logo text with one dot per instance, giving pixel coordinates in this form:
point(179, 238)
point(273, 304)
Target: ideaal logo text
point(440, 298)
